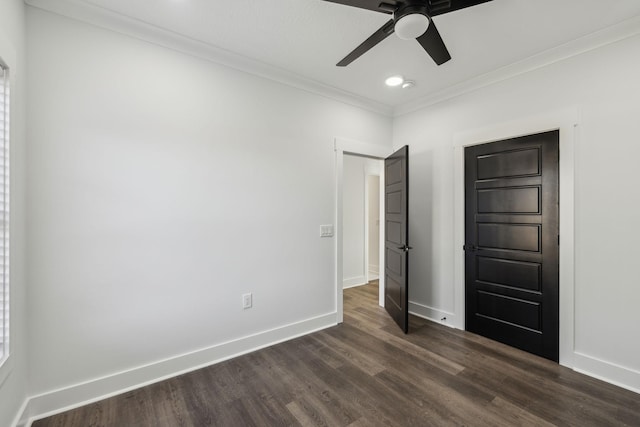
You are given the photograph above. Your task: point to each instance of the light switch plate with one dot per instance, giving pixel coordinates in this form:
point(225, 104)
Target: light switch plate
point(247, 300)
point(326, 230)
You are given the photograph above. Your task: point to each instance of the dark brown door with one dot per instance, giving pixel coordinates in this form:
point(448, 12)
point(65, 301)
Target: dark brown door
point(511, 242)
point(396, 219)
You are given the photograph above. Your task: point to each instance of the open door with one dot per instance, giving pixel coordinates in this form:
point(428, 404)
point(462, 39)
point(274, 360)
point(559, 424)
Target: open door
point(396, 240)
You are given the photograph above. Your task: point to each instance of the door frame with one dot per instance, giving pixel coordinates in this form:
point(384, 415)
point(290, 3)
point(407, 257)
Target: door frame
point(567, 122)
point(344, 146)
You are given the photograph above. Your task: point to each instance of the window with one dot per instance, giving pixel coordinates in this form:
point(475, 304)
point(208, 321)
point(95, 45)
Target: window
point(4, 213)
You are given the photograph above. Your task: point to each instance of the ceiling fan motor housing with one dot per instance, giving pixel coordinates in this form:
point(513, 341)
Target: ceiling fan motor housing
point(411, 20)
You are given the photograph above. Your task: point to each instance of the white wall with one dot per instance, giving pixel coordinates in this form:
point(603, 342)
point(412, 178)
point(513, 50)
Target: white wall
point(355, 265)
point(604, 85)
point(162, 187)
point(13, 375)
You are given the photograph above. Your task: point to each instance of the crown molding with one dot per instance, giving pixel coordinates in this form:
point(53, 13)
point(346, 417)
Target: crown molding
point(110, 20)
point(113, 21)
point(615, 33)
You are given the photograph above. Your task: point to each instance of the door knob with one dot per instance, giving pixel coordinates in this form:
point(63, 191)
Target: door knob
point(404, 248)
point(471, 248)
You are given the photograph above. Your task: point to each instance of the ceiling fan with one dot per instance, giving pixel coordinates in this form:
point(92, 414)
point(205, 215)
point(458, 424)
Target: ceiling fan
point(411, 19)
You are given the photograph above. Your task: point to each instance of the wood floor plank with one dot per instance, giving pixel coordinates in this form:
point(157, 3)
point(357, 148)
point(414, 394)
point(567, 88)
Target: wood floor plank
point(515, 415)
point(408, 347)
point(367, 372)
point(320, 410)
point(442, 397)
point(388, 404)
point(309, 380)
point(349, 352)
point(392, 346)
point(366, 422)
point(430, 403)
point(304, 418)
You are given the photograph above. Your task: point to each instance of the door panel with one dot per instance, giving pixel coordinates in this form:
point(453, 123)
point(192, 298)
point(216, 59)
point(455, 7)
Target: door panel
point(511, 243)
point(515, 274)
point(396, 299)
point(394, 262)
point(509, 200)
point(394, 202)
point(394, 232)
point(515, 237)
point(515, 311)
point(509, 164)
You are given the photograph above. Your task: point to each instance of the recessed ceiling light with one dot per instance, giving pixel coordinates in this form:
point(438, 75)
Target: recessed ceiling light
point(394, 81)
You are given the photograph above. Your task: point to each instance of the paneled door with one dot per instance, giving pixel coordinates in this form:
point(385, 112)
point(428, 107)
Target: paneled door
point(396, 217)
point(512, 242)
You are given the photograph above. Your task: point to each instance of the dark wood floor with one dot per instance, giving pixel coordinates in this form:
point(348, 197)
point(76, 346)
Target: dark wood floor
point(365, 372)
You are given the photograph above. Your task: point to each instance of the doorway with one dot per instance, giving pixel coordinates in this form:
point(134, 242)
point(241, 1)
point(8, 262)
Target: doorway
point(361, 225)
point(512, 242)
point(567, 122)
point(394, 204)
point(344, 147)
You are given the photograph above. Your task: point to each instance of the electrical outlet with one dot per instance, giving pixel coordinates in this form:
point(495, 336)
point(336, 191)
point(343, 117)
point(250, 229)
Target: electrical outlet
point(247, 300)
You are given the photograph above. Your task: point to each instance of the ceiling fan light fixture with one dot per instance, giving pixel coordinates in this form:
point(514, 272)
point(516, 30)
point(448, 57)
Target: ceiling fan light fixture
point(394, 81)
point(411, 26)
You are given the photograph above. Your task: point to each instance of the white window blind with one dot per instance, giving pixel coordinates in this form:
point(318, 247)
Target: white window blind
point(4, 213)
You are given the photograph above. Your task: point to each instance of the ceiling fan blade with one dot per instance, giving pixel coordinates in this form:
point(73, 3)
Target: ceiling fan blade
point(384, 6)
point(440, 7)
point(433, 44)
point(385, 31)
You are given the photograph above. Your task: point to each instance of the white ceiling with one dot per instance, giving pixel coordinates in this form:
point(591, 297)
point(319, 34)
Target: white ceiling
point(308, 37)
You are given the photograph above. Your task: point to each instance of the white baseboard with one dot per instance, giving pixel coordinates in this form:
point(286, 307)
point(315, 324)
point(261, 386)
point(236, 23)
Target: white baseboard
point(354, 286)
point(354, 281)
point(435, 315)
point(20, 419)
point(374, 273)
point(64, 399)
point(607, 371)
